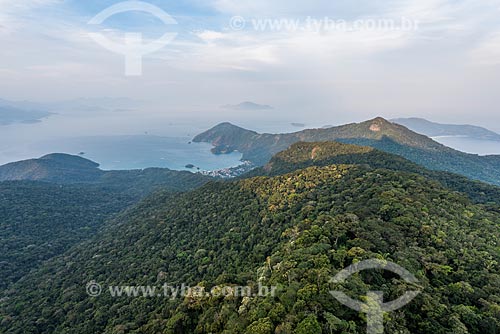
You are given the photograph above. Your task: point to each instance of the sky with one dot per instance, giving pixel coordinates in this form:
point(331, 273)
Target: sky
point(330, 61)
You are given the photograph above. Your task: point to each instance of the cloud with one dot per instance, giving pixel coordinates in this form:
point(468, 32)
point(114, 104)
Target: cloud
point(27, 3)
point(210, 35)
point(356, 70)
point(249, 48)
point(294, 7)
point(12, 12)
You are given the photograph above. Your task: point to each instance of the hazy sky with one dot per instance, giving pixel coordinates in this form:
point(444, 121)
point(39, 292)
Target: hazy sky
point(446, 68)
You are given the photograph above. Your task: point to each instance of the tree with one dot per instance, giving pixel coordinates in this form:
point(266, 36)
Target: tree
point(309, 325)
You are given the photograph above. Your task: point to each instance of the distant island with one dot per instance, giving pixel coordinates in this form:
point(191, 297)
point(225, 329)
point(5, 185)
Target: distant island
point(247, 106)
point(432, 129)
point(11, 115)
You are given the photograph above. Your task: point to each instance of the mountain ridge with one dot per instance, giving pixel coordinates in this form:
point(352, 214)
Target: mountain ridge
point(307, 154)
point(227, 137)
point(378, 133)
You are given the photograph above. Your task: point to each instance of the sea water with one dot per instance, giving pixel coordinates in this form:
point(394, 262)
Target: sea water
point(117, 141)
point(138, 152)
point(470, 145)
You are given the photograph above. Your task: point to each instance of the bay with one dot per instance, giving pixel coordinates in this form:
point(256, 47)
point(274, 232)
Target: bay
point(139, 152)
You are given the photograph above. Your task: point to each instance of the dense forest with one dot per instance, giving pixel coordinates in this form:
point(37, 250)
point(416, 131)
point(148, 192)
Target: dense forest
point(293, 230)
point(306, 154)
point(39, 220)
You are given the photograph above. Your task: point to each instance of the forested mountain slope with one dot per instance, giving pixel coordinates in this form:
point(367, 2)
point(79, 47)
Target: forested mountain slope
point(69, 169)
point(39, 220)
point(293, 231)
point(306, 154)
point(57, 167)
point(378, 133)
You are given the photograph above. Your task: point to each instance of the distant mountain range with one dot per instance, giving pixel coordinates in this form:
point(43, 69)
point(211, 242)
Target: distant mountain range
point(432, 129)
point(378, 133)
